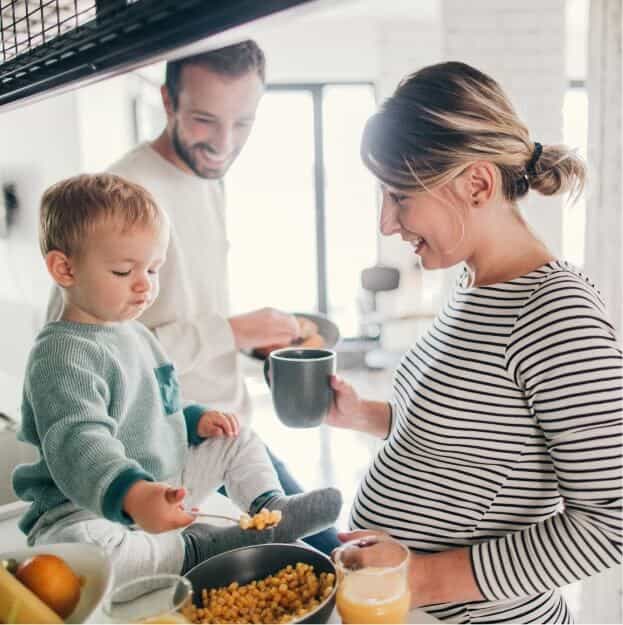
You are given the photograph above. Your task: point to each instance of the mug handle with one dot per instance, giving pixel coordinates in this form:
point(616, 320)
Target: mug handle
point(266, 368)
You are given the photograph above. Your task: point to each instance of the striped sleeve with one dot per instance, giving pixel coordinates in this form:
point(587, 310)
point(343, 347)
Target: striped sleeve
point(564, 355)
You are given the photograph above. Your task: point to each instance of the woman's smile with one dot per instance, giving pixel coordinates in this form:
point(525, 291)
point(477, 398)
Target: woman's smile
point(416, 241)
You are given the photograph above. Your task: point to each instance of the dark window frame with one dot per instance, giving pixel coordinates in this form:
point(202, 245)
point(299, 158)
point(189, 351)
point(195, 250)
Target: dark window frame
point(316, 90)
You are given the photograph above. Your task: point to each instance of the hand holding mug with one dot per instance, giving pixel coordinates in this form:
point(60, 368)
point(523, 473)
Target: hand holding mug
point(346, 405)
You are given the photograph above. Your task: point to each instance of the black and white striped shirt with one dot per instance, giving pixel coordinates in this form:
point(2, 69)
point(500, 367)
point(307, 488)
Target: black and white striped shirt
point(506, 436)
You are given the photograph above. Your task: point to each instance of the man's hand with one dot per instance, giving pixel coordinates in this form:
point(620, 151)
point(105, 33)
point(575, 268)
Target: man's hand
point(156, 507)
point(263, 327)
point(213, 423)
point(346, 407)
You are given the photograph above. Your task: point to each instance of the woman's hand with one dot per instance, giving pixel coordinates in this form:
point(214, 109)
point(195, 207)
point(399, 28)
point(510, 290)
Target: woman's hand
point(374, 550)
point(214, 423)
point(346, 407)
point(156, 507)
point(345, 537)
point(349, 411)
point(433, 578)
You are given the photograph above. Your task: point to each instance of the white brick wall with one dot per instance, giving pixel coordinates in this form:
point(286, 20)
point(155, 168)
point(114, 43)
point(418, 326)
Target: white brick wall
point(522, 47)
point(403, 47)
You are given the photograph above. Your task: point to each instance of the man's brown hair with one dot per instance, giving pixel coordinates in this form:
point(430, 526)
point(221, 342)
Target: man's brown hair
point(233, 61)
point(71, 208)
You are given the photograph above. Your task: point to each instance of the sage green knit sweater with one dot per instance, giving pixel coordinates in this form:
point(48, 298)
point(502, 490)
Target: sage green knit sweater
point(102, 406)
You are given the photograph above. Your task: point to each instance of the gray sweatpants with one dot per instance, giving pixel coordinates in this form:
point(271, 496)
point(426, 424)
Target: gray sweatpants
point(241, 463)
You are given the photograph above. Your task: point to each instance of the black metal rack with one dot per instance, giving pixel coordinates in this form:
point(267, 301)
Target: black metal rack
point(49, 43)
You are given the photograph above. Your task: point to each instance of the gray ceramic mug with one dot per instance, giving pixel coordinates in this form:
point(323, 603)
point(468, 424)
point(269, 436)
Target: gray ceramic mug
point(299, 380)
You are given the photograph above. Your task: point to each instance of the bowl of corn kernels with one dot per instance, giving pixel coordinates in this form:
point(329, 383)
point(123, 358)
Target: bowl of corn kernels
point(271, 583)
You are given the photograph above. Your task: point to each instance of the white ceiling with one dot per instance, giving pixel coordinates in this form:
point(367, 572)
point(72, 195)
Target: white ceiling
point(421, 10)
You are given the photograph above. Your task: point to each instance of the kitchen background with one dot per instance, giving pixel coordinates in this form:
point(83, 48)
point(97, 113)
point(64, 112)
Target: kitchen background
point(341, 58)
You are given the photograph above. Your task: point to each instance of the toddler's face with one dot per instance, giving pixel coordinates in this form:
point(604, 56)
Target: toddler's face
point(116, 274)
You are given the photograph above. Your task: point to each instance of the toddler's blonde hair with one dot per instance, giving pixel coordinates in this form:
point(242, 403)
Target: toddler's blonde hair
point(71, 208)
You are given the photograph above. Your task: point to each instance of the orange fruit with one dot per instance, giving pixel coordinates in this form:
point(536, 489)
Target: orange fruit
point(52, 580)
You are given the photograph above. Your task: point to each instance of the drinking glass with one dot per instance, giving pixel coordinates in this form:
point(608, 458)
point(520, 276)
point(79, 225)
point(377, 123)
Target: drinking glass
point(373, 581)
point(152, 599)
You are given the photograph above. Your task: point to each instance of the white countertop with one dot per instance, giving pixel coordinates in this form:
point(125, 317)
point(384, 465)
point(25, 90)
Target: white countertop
point(10, 535)
point(12, 538)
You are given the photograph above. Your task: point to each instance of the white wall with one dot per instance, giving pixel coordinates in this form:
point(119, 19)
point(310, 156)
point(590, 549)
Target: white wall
point(105, 121)
point(317, 50)
point(380, 48)
point(404, 47)
point(522, 46)
point(43, 143)
point(40, 145)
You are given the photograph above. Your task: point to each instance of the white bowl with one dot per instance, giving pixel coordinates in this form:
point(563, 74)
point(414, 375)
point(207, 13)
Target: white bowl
point(86, 560)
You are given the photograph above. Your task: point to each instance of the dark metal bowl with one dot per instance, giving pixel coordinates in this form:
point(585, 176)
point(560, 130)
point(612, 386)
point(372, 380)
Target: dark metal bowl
point(257, 562)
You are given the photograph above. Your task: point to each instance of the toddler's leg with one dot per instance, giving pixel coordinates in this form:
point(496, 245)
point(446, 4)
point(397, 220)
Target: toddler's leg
point(303, 514)
point(133, 553)
point(241, 463)
point(202, 541)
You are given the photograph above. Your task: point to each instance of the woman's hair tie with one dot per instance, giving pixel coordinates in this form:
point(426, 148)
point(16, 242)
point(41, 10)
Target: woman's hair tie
point(531, 166)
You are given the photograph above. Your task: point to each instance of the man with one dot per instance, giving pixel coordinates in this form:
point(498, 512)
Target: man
point(210, 102)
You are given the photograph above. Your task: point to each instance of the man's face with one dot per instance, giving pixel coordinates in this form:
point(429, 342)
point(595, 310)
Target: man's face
point(213, 118)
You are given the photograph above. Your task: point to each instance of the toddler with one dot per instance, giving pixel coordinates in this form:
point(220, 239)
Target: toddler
point(102, 405)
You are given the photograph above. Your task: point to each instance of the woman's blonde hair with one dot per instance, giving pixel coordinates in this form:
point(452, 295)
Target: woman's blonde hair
point(445, 117)
point(71, 208)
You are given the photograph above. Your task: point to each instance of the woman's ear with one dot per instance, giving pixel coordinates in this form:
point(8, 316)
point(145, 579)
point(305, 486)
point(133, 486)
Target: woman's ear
point(60, 268)
point(480, 183)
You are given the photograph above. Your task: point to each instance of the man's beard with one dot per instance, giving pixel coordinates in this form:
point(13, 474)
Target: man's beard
point(187, 154)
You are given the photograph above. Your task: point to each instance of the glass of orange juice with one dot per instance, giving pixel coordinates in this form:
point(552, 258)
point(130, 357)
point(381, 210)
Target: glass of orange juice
point(152, 599)
point(373, 582)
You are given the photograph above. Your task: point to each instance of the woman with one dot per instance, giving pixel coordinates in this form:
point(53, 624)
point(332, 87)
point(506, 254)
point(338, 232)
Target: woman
point(501, 469)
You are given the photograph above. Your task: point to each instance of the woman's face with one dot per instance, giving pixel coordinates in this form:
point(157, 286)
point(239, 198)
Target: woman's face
point(432, 222)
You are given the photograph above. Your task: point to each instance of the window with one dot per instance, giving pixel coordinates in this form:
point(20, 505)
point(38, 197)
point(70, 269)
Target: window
point(301, 207)
point(271, 209)
point(575, 121)
point(351, 200)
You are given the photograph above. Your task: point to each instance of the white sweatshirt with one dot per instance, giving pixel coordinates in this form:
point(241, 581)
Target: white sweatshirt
point(189, 317)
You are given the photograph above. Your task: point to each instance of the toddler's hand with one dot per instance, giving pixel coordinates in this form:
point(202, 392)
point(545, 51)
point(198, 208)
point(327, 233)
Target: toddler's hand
point(213, 423)
point(346, 405)
point(156, 507)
